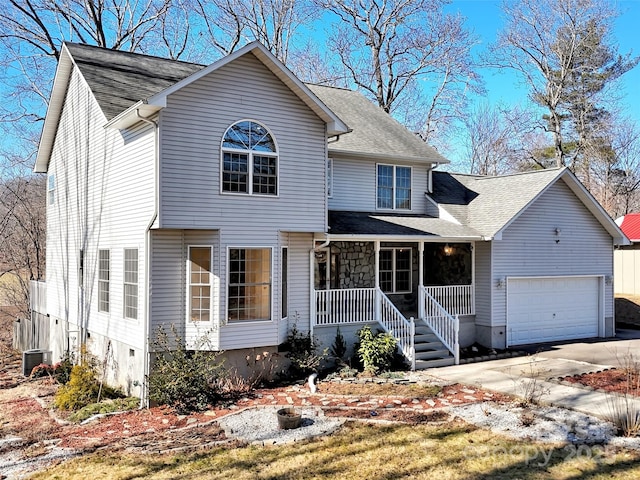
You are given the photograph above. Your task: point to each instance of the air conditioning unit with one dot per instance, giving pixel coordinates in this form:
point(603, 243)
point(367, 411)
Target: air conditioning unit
point(32, 358)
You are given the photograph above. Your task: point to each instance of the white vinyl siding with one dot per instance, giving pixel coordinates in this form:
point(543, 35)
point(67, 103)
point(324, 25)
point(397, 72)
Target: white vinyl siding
point(130, 290)
point(528, 247)
point(192, 128)
point(104, 272)
point(354, 185)
point(170, 282)
point(104, 195)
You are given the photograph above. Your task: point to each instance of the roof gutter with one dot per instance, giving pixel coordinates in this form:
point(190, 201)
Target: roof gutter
point(144, 397)
point(382, 156)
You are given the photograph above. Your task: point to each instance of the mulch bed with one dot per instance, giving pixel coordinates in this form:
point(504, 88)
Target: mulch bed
point(613, 380)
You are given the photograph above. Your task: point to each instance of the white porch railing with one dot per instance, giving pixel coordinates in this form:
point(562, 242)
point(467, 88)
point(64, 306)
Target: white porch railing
point(360, 305)
point(38, 296)
point(354, 305)
point(455, 299)
point(444, 325)
point(397, 325)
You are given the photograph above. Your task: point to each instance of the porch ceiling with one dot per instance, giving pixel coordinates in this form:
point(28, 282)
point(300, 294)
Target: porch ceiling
point(397, 225)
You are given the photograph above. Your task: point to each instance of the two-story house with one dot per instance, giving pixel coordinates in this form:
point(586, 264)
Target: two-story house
point(233, 200)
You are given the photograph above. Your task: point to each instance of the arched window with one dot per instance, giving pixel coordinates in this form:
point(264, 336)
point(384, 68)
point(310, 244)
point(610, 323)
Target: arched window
point(249, 160)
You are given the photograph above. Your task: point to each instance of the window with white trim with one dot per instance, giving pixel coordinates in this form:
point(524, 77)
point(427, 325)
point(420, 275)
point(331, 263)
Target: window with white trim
point(249, 160)
point(395, 270)
point(249, 284)
point(51, 189)
point(130, 283)
point(199, 284)
point(104, 273)
point(393, 187)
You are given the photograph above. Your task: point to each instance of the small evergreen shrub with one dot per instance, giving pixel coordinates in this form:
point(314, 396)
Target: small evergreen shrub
point(188, 380)
point(83, 386)
point(302, 353)
point(376, 350)
point(339, 348)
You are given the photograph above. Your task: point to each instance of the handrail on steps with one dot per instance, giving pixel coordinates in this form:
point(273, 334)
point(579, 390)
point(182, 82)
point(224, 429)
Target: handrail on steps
point(397, 325)
point(444, 326)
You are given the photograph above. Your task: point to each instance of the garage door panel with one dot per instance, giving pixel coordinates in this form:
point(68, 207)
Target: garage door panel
point(548, 309)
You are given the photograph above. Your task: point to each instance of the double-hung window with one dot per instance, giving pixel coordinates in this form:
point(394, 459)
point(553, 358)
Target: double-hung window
point(249, 160)
point(51, 189)
point(200, 284)
point(104, 264)
point(131, 283)
point(393, 187)
point(249, 287)
point(395, 270)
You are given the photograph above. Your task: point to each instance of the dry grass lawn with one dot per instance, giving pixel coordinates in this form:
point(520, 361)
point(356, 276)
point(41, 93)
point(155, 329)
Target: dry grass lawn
point(453, 450)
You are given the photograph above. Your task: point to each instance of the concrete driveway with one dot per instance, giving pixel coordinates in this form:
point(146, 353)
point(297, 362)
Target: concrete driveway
point(600, 351)
point(546, 363)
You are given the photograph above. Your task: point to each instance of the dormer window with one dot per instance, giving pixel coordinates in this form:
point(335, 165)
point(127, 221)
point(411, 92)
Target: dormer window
point(249, 160)
point(394, 187)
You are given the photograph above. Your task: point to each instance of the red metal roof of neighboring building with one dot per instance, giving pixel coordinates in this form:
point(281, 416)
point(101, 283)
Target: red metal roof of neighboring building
point(630, 226)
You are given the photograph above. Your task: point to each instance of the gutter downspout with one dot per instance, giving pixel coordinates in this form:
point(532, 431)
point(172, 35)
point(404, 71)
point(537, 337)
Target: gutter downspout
point(144, 397)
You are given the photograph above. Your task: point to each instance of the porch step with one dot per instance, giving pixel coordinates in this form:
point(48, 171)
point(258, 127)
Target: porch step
point(440, 362)
point(433, 345)
point(432, 354)
point(429, 350)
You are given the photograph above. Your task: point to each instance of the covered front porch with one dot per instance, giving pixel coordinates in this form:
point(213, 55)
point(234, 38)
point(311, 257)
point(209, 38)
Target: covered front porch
point(415, 289)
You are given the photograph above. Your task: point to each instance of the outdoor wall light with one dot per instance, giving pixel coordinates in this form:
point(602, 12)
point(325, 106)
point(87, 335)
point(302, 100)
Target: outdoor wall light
point(448, 250)
point(501, 282)
point(557, 233)
point(608, 280)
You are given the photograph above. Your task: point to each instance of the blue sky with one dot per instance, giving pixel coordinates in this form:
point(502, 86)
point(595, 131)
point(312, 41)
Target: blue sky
point(485, 18)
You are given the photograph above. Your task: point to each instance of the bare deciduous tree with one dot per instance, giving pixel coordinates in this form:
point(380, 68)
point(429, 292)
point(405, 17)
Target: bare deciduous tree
point(491, 139)
point(22, 239)
point(229, 23)
point(389, 46)
point(558, 47)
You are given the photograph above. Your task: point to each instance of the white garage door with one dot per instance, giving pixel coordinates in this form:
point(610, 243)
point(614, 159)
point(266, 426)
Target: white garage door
point(550, 309)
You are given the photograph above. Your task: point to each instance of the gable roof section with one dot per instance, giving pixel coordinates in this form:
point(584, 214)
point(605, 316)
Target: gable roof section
point(630, 226)
point(125, 84)
point(491, 204)
point(120, 79)
point(374, 133)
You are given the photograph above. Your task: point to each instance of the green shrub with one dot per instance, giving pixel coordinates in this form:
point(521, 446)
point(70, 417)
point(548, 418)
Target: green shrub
point(83, 386)
point(339, 348)
point(375, 351)
point(62, 369)
point(187, 380)
point(302, 353)
point(105, 406)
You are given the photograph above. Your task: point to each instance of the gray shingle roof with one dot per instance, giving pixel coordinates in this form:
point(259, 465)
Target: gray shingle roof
point(376, 224)
point(373, 130)
point(488, 204)
point(119, 79)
